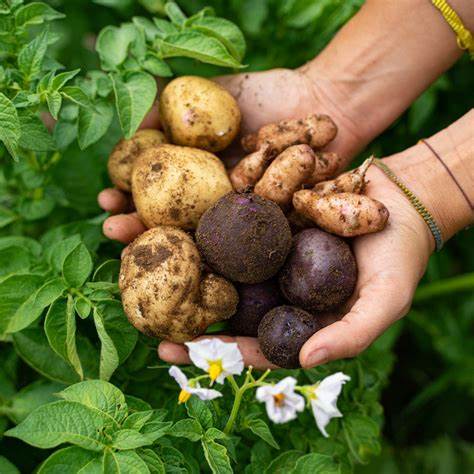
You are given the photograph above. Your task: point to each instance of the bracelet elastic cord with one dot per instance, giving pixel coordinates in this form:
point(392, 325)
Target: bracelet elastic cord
point(464, 37)
point(417, 204)
point(445, 166)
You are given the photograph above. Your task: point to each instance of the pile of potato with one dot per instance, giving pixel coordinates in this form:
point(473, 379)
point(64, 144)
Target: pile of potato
point(220, 243)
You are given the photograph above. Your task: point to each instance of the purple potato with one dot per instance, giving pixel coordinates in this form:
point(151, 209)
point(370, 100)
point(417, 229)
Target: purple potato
point(320, 273)
point(254, 302)
point(282, 333)
point(244, 237)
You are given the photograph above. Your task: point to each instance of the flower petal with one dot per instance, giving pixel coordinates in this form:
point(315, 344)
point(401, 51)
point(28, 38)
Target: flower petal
point(199, 353)
point(179, 376)
point(321, 417)
point(205, 393)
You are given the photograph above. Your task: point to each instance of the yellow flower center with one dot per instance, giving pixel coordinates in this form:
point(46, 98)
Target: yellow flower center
point(215, 369)
point(183, 396)
point(279, 399)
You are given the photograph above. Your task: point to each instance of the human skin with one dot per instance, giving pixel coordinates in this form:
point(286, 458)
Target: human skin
point(367, 76)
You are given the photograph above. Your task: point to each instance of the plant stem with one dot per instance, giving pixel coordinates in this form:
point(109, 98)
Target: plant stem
point(235, 409)
point(442, 287)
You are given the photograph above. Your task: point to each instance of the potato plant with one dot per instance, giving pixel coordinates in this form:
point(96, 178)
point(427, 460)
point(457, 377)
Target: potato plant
point(79, 385)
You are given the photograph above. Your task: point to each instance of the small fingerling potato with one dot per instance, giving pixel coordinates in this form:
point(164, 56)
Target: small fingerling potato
point(163, 291)
point(124, 154)
point(175, 185)
point(199, 113)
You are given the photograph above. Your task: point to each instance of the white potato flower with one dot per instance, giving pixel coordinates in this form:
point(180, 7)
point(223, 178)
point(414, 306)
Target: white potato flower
point(281, 401)
point(323, 398)
point(219, 359)
point(189, 388)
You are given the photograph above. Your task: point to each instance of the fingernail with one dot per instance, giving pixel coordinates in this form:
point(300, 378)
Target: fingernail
point(318, 357)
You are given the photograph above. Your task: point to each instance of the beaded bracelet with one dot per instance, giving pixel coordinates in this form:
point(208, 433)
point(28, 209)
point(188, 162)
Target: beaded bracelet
point(417, 204)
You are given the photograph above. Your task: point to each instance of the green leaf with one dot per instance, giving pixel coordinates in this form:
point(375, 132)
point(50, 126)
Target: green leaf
point(152, 460)
point(156, 66)
point(362, 436)
point(10, 130)
point(32, 308)
point(63, 422)
point(188, 428)
point(100, 395)
point(164, 27)
point(261, 429)
point(35, 13)
point(60, 80)
point(316, 463)
point(94, 123)
point(175, 14)
point(60, 329)
point(77, 95)
point(6, 467)
point(129, 439)
point(196, 45)
point(64, 133)
point(134, 97)
point(284, 463)
point(122, 462)
point(33, 347)
point(225, 31)
point(107, 271)
point(77, 266)
point(34, 134)
point(113, 43)
point(6, 216)
point(14, 260)
point(83, 307)
point(54, 100)
point(56, 252)
point(217, 457)
point(73, 460)
point(31, 397)
point(198, 410)
point(30, 57)
point(137, 420)
point(109, 358)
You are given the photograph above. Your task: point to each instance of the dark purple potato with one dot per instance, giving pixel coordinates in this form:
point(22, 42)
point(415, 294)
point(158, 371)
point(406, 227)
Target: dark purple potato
point(244, 237)
point(254, 302)
point(282, 333)
point(320, 273)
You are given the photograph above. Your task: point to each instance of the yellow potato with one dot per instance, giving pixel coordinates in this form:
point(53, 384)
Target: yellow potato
point(163, 292)
point(123, 155)
point(175, 185)
point(199, 113)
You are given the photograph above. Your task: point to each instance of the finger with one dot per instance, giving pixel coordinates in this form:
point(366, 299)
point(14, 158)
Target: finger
point(152, 118)
point(113, 200)
point(249, 347)
point(380, 304)
point(123, 227)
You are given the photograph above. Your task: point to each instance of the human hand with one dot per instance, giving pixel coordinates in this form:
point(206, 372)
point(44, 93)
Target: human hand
point(263, 97)
point(390, 264)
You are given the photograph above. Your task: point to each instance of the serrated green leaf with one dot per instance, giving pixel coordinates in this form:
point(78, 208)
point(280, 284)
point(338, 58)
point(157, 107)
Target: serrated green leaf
point(152, 460)
point(30, 57)
point(94, 123)
point(196, 45)
point(137, 420)
point(198, 410)
point(77, 95)
point(35, 13)
point(284, 463)
point(60, 80)
point(32, 308)
point(64, 133)
point(73, 460)
point(77, 266)
point(164, 27)
point(316, 463)
point(63, 422)
point(107, 271)
point(156, 66)
point(187, 428)
point(100, 395)
point(60, 329)
point(261, 429)
point(10, 129)
point(134, 97)
point(362, 435)
point(175, 14)
point(129, 439)
point(217, 457)
point(225, 31)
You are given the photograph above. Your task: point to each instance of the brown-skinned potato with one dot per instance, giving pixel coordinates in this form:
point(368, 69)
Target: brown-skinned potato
point(344, 214)
point(315, 130)
point(199, 113)
point(250, 169)
point(286, 174)
point(164, 293)
point(123, 155)
point(174, 185)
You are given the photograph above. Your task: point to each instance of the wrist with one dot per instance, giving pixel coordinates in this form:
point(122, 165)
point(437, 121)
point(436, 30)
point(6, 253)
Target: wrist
point(422, 172)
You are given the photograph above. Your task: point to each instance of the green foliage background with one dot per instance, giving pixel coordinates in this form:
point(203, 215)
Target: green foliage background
point(420, 371)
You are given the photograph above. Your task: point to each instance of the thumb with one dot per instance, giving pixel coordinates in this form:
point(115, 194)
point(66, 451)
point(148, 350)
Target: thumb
point(380, 303)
